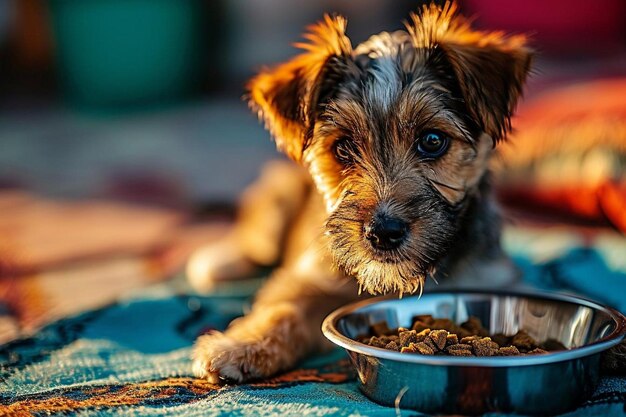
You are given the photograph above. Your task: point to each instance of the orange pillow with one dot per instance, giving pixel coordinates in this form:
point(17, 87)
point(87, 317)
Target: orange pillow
point(568, 153)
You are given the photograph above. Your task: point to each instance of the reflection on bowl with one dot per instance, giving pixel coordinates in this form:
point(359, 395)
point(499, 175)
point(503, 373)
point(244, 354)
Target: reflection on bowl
point(539, 384)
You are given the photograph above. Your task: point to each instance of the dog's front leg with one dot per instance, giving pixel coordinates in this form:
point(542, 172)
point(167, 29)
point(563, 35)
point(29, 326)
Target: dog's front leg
point(266, 211)
point(282, 327)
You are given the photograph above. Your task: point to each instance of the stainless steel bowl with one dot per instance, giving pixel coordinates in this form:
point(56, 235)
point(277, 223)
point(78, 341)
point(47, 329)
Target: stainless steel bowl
point(540, 384)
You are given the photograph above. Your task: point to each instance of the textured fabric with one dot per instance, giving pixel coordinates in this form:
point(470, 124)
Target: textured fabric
point(59, 257)
point(132, 358)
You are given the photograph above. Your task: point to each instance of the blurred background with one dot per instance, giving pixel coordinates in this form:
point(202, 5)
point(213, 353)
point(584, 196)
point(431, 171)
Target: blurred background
point(140, 99)
point(124, 140)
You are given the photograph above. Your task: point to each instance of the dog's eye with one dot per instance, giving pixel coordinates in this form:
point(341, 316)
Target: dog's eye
point(345, 150)
point(432, 144)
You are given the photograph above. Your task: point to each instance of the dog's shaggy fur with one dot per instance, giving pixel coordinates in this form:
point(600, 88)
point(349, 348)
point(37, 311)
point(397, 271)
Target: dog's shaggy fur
point(393, 138)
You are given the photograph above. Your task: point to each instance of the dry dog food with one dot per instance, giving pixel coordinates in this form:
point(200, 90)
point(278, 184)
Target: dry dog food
point(431, 336)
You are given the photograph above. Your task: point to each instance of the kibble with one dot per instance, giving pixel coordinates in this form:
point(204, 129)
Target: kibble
point(431, 336)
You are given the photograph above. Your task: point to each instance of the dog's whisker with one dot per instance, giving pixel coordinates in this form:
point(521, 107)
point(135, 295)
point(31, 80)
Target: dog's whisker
point(433, 278)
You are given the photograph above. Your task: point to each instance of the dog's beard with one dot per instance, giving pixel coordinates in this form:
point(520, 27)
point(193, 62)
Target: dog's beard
point(402, 270)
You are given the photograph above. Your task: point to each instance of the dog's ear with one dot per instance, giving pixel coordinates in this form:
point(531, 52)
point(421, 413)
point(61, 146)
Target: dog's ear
point(287, 97)
point(491, 79)
point(490, 68)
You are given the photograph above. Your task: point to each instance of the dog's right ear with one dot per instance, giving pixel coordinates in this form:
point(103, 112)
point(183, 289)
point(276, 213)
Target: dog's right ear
point(490, 67)
point(287, 97)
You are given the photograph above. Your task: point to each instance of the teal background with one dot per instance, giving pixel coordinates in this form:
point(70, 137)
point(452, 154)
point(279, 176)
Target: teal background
point(127, 52)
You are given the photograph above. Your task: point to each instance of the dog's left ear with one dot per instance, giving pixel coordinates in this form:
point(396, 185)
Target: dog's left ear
point(490, 68)
point(288, 96)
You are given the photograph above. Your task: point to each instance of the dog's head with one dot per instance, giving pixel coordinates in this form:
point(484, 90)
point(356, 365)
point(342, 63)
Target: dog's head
point(396, 134)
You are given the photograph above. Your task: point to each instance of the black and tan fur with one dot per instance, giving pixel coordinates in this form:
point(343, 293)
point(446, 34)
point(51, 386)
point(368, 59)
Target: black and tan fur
point(375, 100)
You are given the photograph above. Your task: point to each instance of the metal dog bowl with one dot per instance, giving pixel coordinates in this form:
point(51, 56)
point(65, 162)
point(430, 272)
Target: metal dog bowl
point(540, 384)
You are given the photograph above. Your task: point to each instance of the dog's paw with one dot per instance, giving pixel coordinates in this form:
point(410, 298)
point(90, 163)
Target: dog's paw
point(217, 262)
point(219, 358)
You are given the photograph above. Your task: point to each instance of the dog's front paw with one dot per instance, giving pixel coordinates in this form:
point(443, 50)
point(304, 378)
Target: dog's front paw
point(268, 340)
point(218, 262)
point(219, 359)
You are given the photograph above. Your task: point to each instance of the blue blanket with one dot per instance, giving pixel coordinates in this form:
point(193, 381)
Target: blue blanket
point(132, 358)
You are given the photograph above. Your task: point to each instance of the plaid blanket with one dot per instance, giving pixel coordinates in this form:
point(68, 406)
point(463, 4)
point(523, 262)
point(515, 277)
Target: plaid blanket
point(132, 357)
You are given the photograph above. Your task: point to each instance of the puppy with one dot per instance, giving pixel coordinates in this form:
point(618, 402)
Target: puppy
point(392, 141)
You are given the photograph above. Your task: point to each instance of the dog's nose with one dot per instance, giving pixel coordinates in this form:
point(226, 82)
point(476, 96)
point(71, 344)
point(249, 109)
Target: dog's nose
point(386, 233)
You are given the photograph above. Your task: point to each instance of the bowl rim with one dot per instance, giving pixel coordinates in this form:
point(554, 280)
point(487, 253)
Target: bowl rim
point(330, 331)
